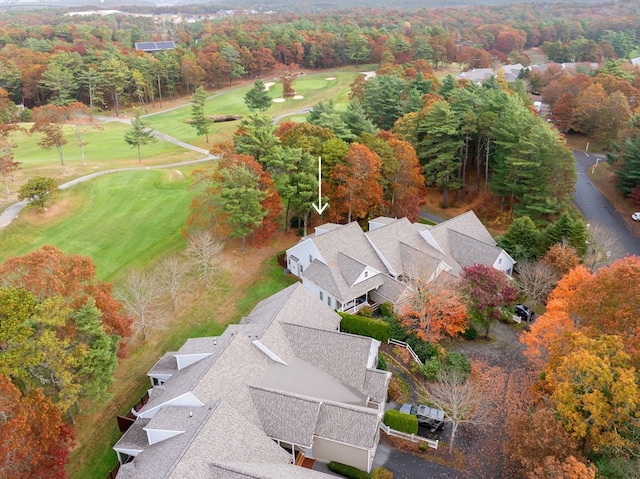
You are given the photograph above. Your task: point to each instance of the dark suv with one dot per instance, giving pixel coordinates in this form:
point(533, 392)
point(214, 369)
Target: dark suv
point(524, 313)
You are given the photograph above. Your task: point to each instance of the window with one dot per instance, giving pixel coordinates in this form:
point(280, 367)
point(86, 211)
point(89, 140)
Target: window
point(329, 300)
point(366, 274)
point(321, 297)
point(310, 258)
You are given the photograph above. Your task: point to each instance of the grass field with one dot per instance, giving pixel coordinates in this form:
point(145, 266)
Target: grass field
point(119, 220)
point(314, 87)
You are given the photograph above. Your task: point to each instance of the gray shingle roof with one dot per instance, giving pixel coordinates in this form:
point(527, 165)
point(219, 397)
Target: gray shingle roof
point(242, 408)
point(344, 356)
point(350, 268)
point(246, 470)
point(287, 417)
point(469, 251)
point(391, 291)
point(166, 364)
point(292, 305)
point(376, 383)
point(348, 424)
point(404, 250)
point(302, 379)
point(332, 281)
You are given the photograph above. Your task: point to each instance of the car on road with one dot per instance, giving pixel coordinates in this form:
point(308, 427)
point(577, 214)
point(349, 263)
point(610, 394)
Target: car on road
point(636, 216)
point(427, 416)
point(524, 313)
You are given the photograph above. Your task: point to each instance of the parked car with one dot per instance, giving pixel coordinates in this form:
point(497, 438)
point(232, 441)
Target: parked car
point(636, 216)
point(524, 313)
point(427, 416)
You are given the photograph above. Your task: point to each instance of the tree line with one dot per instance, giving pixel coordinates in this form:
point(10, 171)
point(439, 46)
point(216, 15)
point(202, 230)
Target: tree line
point(93, 60)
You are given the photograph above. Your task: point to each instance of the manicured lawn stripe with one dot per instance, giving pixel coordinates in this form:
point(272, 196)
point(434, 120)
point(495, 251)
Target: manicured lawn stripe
point(120, 220)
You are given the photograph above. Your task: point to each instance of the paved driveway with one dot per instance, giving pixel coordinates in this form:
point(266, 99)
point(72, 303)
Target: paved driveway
point(595, 207)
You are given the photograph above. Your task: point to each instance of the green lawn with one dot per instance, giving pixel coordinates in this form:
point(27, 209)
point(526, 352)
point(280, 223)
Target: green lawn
point(119, 220)
point(313, 87)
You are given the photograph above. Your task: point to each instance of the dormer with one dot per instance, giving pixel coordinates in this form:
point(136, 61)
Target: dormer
point(428, 237)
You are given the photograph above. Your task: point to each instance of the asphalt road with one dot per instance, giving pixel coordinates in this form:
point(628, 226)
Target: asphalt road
point(595, 207)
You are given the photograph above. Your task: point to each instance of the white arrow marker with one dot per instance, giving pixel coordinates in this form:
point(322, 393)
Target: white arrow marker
point(320, 207)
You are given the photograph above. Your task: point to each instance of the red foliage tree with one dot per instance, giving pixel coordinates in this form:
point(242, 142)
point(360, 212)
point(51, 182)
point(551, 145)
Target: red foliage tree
point(49, 272)
point(487, 292)
point(34, 442)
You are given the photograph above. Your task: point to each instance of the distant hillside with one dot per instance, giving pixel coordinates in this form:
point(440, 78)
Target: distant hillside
point(317, 5)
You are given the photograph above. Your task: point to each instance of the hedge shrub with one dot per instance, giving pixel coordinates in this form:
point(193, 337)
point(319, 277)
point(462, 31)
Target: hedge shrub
point(459, 361)
point(471, 333)
point(382, 363)
point(348, 471)
point(401, 422)
point(386, 310)
point(372, 328)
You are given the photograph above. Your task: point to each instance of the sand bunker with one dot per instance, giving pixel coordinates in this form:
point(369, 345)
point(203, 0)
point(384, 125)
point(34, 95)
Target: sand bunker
point(298, 97)
point(268, 85)
point(330, 78)
point(278, 100)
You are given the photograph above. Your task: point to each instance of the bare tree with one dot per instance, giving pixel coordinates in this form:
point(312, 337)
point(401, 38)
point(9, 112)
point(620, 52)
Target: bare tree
point(139, 293)
point(536, 280)
point(603, 246)
point(170, 274)
point(458, 396)
point(204, 250)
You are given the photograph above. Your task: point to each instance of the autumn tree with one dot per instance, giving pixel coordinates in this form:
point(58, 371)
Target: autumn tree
point(556, 321)
point(595, 392)
point(48, 120)
point(562, 257)
point(570, 468)
point(434, 312)
point(487, 294)
point(140, 133)
point(356, 184)
point(199, 120)
point(49, 272)
point(8, 165)
point(287, 75)
point(38, 190)
point(537, 434)
point(406, 190)
point(34, 441)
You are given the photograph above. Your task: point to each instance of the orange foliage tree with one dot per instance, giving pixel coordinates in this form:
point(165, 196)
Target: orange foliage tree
point(49, 272)
point(407, 190)
point(604, 302)
point(570, 468)
point(356, 190)
point(34, 441)
point(434, 312)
